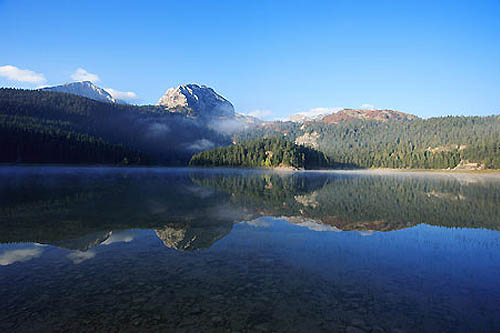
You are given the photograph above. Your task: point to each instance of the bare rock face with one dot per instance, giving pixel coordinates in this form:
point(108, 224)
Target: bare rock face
point(200, 100)
point(85, 89)
point(190, 238)
point(308, 139)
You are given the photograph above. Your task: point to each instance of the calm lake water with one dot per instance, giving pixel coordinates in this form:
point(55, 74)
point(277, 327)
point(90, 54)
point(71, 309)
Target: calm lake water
point(125, 249)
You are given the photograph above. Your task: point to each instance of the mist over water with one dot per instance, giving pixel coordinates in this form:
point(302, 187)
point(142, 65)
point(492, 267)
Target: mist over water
point(155, 249)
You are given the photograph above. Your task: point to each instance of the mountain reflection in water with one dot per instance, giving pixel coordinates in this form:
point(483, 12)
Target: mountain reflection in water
point(191, 250)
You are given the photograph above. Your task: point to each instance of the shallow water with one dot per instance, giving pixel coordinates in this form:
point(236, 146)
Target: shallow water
point(117, 249)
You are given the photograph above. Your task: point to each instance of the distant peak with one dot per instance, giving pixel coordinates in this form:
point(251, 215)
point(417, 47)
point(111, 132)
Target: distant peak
point(85, 89)
point(86, 83)
point(201, 99)
point(363, 114)
point(193, 85)
point(337, 115)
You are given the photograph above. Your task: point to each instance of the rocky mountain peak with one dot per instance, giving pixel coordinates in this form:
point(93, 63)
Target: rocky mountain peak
point(202, 100)
point(85, 89)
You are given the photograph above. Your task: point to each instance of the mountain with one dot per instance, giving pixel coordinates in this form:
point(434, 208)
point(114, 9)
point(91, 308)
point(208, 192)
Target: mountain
point(38, 126)
point(352, 114)
point(434, 143)
point(85, 89)
point(208, 107)
point(52, 127)
point(378, 115)
point(197, 100)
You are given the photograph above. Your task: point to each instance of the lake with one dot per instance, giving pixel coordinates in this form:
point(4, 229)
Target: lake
point(160, 249)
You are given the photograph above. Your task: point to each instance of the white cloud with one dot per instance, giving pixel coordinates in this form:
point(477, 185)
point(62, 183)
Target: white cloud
point(367, 107)
point(280, 119)
point(10, 257)
point(314, 113)
point(258, 223)
point(157, 130)
point(123, 95)
point(201, 144)
point(77, 257)
point(260, 113)
point(21, 75)
point(125, 236)
point(226, 126)
point(82, 75)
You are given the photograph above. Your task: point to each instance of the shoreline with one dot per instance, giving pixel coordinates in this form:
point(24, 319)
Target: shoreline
point(445, 171)
point(279, 169)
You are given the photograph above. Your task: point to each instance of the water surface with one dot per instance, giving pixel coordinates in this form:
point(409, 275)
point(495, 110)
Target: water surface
point(118, 249)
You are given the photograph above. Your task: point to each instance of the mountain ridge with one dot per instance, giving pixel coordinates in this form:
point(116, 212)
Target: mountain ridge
point(198, 100)
point(84, 89)
point(347, 114)
point(48, 126)
point(377, 115)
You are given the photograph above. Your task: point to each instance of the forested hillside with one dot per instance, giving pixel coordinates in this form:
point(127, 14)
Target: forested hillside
point(421, 143)
point(273, 152)
point(25, 139)
point(39, 126)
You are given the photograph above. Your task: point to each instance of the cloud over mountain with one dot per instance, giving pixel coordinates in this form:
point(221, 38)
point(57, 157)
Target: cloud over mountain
point(82, 75)
point(313, 113)
point(122, 95)
point(367, 107)
point(261, 114)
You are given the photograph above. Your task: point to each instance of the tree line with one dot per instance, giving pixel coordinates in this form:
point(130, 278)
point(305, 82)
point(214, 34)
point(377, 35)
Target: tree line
point(435, 143)
point(272, 152)
point(41, 126)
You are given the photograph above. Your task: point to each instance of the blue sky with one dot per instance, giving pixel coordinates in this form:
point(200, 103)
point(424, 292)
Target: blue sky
point(273, 58)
